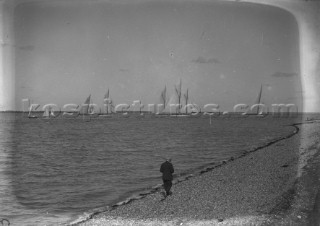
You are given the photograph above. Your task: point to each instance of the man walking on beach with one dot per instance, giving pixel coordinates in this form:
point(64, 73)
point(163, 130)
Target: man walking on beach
point(167, 170)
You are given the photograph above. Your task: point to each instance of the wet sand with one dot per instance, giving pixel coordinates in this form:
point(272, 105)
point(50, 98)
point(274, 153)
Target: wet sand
point(267, 186)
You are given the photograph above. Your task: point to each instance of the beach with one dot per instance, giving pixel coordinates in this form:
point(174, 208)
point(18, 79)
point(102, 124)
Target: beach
point(271, 185)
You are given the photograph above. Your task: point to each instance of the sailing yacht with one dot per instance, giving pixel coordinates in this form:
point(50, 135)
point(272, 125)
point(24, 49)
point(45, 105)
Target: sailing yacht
point(52, 113)
point(259, 112)
point(30, 116)
point(49, 113)
point(85, 107)
point(46, 113)
point(108, 104)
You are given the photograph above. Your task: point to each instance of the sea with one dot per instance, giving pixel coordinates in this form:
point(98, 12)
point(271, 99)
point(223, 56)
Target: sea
point(61, 170)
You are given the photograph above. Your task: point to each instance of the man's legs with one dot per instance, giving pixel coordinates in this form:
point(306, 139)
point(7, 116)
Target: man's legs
point(167, 184)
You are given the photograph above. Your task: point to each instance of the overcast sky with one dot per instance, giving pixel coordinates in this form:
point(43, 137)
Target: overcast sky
point(222, 52)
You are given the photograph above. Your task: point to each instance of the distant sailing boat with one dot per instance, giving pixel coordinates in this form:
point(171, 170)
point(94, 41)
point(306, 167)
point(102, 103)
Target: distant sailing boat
point(31, 116)
point(52, 113)
point(46, 113)
point(91, 108)
point(49, 113)
point(85, 108)
point(108, 105)
point(170, 105)
point(186, 98)
point(106, 98)
point(258, 101)
point(30, 110)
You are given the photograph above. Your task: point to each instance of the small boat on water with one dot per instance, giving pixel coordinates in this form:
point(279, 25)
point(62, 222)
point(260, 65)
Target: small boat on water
point(33, 108)
point(258, 101)
point(259, 112)
point(180, 115)
point(105, 115)
point(48, 113)
point(85, 109)
point(32, 116)
point(108, 106)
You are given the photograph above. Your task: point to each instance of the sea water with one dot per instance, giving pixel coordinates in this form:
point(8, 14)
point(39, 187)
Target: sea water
point(55, 171)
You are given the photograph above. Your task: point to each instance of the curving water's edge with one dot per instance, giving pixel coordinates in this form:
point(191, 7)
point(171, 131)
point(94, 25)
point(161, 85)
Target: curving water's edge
point(306, 189)
point(88, 216)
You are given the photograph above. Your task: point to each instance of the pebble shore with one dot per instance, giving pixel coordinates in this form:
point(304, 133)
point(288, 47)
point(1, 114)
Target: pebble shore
point(257, 189)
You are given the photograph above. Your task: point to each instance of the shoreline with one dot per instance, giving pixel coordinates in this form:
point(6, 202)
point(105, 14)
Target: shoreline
point(121, 210)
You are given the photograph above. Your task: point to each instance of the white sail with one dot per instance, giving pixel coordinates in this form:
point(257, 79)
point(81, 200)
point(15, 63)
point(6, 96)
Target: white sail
point(85, 107)
point(46, 113)
point(260, 110)
point(258, 100)
point(171, 106)
point(33, 107)
point(106, 96)
point(107, 101)
point(52, 113)
point(108, 105)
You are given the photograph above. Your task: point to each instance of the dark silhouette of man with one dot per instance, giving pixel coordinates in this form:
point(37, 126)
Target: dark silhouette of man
point(167, 170)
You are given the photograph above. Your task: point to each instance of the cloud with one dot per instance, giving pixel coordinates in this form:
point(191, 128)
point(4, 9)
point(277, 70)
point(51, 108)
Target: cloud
point(202, 60)
point(213, 60)
point(222, 76)
point(27, 47)
point(284, 74)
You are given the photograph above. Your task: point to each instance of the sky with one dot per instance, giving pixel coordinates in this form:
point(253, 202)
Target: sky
point(222, 52)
